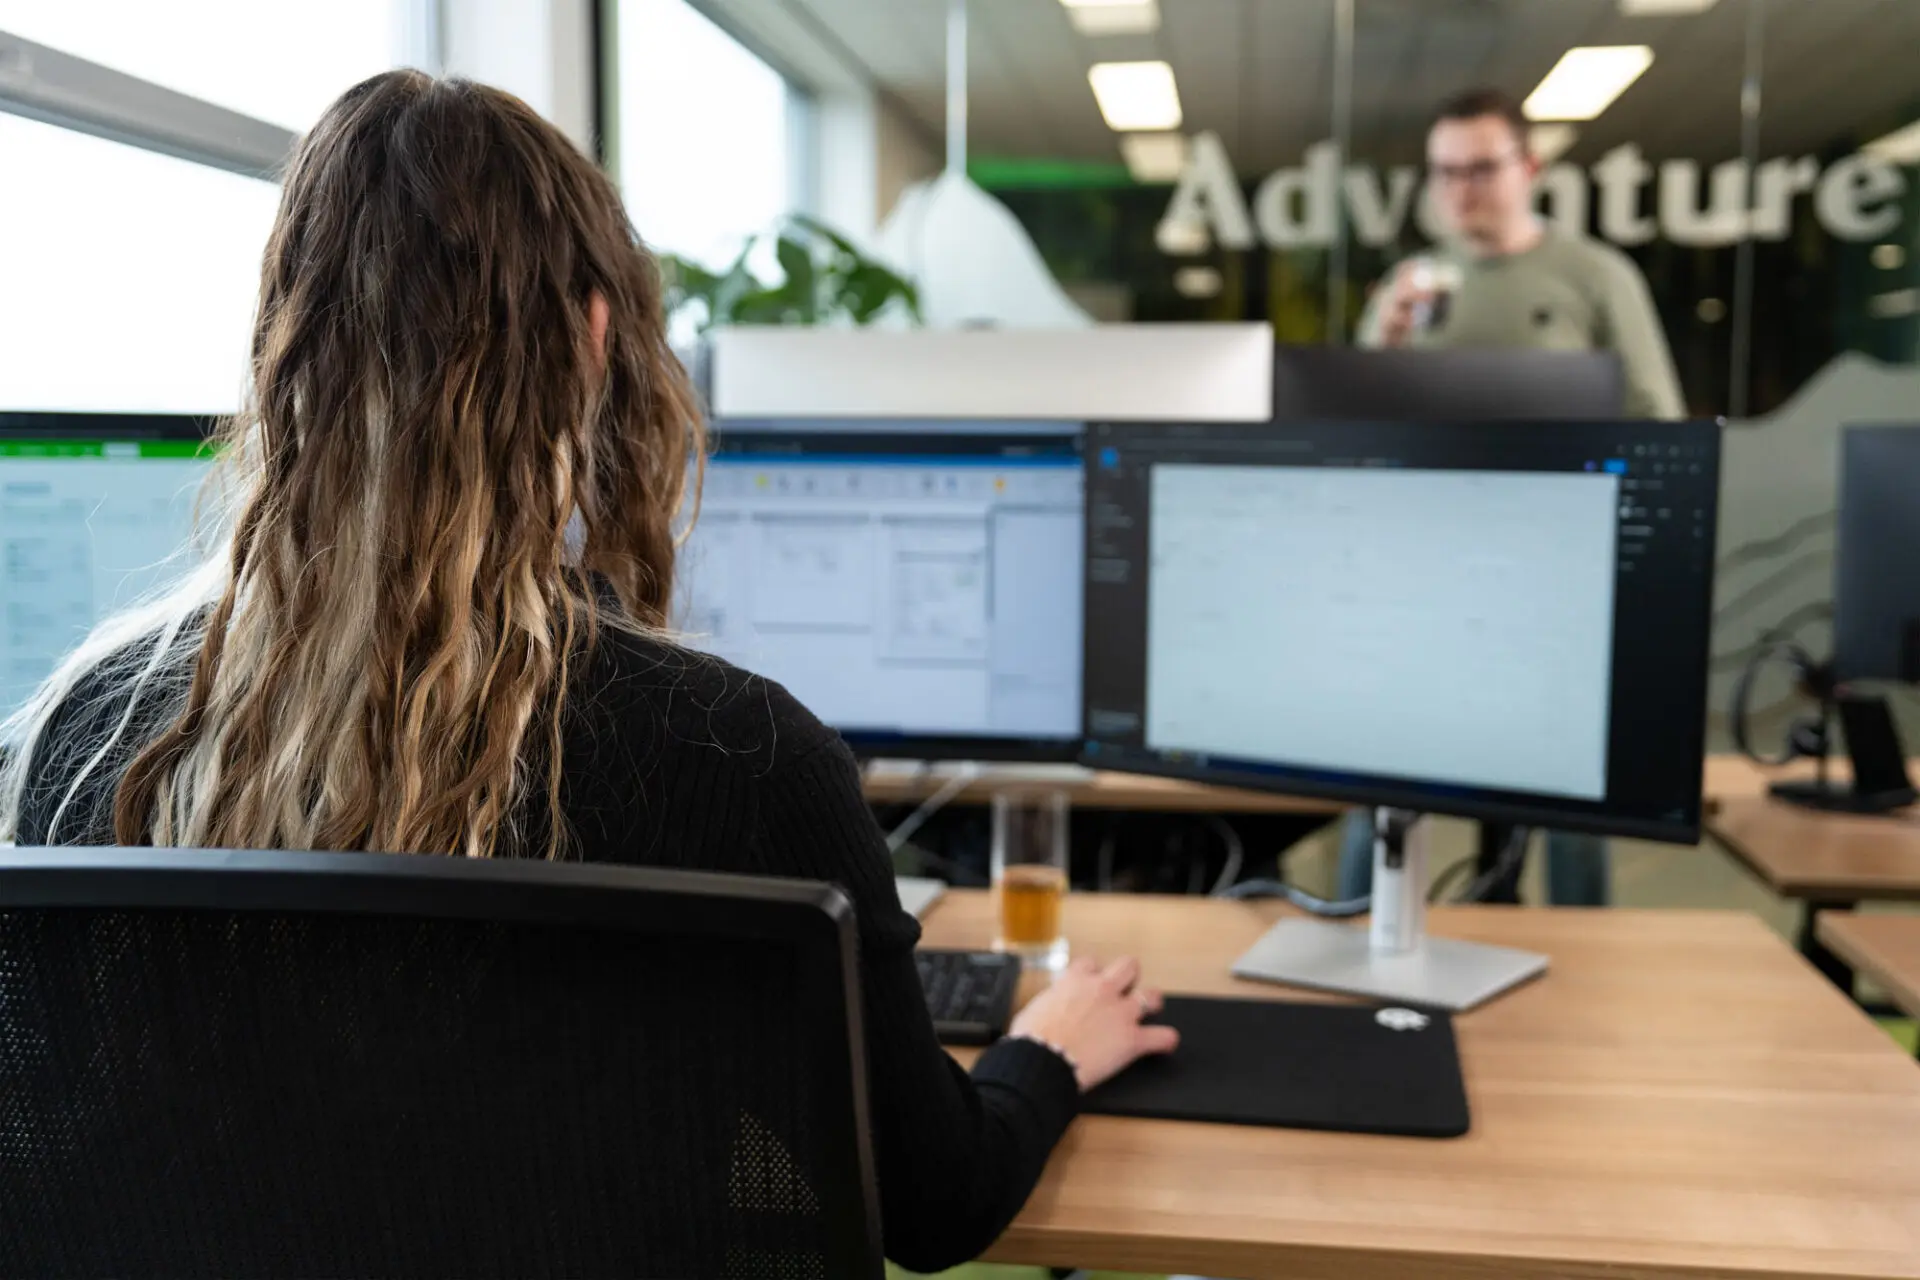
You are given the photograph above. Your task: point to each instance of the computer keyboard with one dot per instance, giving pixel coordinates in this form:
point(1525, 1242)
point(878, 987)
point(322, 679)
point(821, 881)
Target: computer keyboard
point(969, 993)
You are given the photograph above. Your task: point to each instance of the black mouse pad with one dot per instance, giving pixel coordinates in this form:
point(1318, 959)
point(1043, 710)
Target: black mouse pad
point(1299, 1066)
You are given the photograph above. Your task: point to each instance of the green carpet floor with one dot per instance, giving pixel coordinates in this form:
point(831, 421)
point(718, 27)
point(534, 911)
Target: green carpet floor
point(1904, 1030)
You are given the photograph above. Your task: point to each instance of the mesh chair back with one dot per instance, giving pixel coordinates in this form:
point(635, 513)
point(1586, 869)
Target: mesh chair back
point(265, 1065)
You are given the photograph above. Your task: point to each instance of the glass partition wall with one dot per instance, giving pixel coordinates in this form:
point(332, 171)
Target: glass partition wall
point(1758, 160)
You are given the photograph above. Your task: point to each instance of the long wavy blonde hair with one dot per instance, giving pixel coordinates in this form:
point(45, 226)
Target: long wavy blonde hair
point(442, 483)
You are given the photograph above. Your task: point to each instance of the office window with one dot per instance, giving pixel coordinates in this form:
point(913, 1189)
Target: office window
point(705, 152)
point(130, 276)
point(278, 60)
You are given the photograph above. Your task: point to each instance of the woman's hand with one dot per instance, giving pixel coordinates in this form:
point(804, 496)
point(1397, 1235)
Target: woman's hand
point(1093, 1014)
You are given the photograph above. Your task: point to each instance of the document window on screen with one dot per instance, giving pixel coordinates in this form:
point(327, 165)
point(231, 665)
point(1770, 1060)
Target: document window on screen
point(1449, 626)
point(898, 585)
point(86, 529)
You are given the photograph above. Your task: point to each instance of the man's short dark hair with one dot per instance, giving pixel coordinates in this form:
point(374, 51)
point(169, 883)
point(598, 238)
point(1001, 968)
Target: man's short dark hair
point(1477, 104)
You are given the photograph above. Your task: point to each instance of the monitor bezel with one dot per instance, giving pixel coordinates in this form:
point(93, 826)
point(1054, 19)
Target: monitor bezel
point(1399, 794)
point(1380, 791)
point(34, 424)
point(951, 749)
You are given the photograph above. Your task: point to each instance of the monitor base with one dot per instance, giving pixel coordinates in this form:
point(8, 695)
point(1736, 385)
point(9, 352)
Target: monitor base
point(1439, 972)
point(1393, 958)
point(1832, 797)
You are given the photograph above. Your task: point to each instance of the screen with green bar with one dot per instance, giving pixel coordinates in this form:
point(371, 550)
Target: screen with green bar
point(105, 449)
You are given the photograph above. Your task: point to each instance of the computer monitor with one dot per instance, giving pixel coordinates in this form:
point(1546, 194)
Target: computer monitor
point(1492, 620)
point(915, 583)
point(1312, 384)
point(95, 509)
point(1876, 607)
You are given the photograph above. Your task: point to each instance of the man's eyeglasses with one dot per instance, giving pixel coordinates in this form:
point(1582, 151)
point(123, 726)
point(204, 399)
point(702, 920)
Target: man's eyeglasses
point(1477, 172)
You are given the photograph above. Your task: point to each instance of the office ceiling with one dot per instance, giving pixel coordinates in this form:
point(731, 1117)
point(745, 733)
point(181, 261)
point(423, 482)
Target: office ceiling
point(1259, 72)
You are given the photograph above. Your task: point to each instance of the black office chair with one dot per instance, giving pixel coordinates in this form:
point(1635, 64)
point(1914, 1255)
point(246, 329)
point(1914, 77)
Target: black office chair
point(353, 1065)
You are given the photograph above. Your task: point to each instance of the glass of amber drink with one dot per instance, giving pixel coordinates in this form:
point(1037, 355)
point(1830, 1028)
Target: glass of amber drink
point(1030, 875)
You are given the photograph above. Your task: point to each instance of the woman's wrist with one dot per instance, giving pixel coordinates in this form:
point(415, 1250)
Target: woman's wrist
point(1072, 1064)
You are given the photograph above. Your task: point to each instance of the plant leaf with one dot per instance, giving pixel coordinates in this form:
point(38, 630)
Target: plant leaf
point(826, 278)
point(761, 306)
point(736, 284)
point(814, 226)
point(801, 289)
point(867, 290)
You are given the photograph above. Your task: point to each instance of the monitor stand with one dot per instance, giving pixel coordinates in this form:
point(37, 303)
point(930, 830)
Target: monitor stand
point(1393, 959)
point(1879, 784)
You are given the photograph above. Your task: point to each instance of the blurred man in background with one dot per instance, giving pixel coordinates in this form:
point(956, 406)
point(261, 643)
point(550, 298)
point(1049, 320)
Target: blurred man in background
point(1507, 278)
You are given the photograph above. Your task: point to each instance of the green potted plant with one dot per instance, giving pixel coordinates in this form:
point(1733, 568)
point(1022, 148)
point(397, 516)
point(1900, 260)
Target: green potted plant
point(827, 281)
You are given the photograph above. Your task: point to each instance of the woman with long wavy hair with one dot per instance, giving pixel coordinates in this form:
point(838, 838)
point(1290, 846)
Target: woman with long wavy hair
point(436, 618)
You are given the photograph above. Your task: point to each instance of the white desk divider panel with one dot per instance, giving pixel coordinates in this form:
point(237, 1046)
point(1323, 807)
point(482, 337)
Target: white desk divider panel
point(1141, 372)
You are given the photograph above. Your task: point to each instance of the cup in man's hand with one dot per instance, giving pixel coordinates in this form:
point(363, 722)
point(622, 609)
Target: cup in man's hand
point(1431, 284)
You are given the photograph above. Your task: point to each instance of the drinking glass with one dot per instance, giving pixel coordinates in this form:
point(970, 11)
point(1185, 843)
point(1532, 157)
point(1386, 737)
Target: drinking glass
point(1030, 875)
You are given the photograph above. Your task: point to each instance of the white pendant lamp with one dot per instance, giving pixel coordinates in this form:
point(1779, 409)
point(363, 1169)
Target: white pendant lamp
point(973, 262)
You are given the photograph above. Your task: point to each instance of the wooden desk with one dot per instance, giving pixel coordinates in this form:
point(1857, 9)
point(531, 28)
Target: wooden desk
point(1728, 777)
point(1731, 777)
point(1828, 861)
point(1824, 857)
point(1103, 791)
point(1678, 1097)
point(1886, 948)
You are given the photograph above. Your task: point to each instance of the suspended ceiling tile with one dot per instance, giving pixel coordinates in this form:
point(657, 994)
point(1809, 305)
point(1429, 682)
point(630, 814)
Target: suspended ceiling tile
point(1039, 68)
point(1290, 91)
point(1840, 80)
point(1687, 104)
point(888, 39)
point(1201, 38)
point(1259, 71)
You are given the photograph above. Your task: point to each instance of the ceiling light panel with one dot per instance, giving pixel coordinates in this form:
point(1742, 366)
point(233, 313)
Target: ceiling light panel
point(1548, 142)
point(1586, 81)
point(1136, 96)
point(1154, 157)
point(1663, 8)
point(1114, 17)
point(1198, 282)
point(1902, 146)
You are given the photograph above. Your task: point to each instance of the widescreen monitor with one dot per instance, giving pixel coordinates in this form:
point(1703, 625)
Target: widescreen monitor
point(1491, 620)
point(1876, 607)
point(916, 584)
